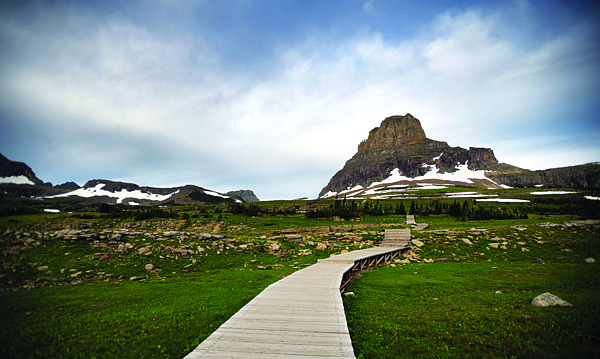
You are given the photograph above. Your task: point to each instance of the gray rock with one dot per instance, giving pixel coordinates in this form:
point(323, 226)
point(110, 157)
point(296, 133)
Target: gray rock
point(150, 267)
point(42, 268)
point(590, 260)
point(144, 250)
point(549, 300)
point(135, 278)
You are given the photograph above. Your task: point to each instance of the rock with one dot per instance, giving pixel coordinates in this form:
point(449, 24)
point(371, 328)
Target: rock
point(497, 292)
point(494, 245)
point(275, 247)
point(467, 241)
point(349, 294)
point(144, 250)
point(321, 246)
point(150, 267)
point(417, 243)
point(42, 268)
point(136, 278)
point(539, 260)
point(261, 267)
point(245, 194)
point(590, 260)
point(172, 234)
point(549, 300)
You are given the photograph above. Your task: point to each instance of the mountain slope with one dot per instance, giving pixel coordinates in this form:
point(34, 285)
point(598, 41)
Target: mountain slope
point(105, 191)
point(398, 151)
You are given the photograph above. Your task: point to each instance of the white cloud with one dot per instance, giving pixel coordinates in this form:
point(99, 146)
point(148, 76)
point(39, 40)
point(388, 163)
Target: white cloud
point(368, 7)
point(170, 97)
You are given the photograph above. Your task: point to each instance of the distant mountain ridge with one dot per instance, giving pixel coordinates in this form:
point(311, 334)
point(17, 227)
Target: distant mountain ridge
point(400, 144)
point(18, 180)
point(107, 191)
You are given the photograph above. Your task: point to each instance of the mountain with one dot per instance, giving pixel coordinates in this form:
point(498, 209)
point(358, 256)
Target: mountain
point(106, 191)
point(245, 194)
point(398, 151)
point(17, 173)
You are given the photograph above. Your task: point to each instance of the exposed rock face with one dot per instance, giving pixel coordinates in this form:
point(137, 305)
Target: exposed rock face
point(400, 142)
point(582, 176)
point(10, 168)
point(68, 186)
point(245, 194)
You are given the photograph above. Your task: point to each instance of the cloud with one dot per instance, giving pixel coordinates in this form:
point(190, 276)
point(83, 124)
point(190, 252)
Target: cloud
point(368, 7)
point(121, 98)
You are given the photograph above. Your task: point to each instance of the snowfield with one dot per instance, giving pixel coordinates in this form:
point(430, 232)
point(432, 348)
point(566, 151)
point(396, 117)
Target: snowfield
point(16, 180)
point(463, 174)
point(541, 193)
point(120, 196)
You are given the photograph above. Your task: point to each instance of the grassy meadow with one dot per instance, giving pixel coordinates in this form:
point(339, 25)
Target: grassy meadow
point(104, 285)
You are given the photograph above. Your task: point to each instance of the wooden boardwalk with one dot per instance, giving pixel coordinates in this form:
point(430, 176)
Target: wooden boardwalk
point(396, 238)
point(300, 316)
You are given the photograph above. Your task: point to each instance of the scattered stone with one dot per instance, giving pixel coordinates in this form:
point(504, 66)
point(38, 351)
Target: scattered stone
point(76, 274)
point(144, 250)
point(321, 246)
point(261, 267)
point(43, 268)
point(494, 245)
point(588, 260)
point(466, 240)
point(349, 294)
point(549, 300)
point(539, 260)
point(150, 267)
point(497, 292)
point(136, 278)
point(275, 246)
point(417, 242)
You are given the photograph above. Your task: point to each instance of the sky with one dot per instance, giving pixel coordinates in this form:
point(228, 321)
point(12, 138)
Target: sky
point(275, 96)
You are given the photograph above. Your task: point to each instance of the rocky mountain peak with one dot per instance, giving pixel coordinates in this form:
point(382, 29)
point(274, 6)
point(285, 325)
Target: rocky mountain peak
point(394, 131)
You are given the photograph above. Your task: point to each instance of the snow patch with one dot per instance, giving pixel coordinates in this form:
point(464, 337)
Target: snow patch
point(463, 174)
point(469, 195)
point(16, 180)
point(541, 193)
point(120, 195)
point(592, 198)
point(49, 210)
point(503, 200)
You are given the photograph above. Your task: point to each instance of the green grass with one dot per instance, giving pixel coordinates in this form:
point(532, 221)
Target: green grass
point(449, 309)
point(158, 318)
point(93, 315)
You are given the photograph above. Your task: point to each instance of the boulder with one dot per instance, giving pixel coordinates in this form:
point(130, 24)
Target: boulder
point(417, 242)
point(549, 300)
point(150, 266)
point(590, 260)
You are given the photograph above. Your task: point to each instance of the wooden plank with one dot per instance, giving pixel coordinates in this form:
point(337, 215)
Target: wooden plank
point(301, 316)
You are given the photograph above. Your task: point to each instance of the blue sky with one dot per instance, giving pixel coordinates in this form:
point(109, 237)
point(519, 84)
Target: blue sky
point(275, 96)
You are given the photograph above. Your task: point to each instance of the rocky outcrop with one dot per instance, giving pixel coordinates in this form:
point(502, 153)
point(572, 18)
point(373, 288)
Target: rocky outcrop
point(400, 142)
point(68, 186)
point(582, 176)
point(10, 168)
point(245, 194)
